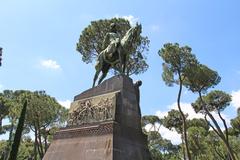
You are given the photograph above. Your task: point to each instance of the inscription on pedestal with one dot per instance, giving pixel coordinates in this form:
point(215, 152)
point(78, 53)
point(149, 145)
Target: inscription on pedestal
point(94, 109)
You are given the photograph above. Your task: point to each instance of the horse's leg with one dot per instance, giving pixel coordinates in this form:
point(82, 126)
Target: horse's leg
point(120, 56)
point(102, 77)
point(104, 72)
point(95, 77)
point(124, 63)
point(98, 69)
point(123, 59)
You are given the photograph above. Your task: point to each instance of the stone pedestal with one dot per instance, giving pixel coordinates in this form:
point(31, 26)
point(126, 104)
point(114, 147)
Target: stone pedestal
point(104, 124)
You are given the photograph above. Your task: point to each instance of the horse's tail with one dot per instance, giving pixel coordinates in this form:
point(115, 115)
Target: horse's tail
point(98, 62)
point(97, 65)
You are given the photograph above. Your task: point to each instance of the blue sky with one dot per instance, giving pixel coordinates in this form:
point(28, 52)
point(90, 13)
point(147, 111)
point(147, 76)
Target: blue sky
point(39, 44)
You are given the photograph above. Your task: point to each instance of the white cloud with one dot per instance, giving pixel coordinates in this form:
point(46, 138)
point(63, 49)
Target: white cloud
point(170, 135)
point(133, 20)
point(236, 99)
point(161, 114)
point(65, 104)
point(50, 64)
point(187, 109)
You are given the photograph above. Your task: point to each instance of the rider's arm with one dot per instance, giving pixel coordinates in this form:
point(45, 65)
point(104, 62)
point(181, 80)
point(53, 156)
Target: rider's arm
point(105, 41)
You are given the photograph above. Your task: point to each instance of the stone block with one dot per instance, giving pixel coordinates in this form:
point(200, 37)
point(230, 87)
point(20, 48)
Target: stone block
point(104, 124)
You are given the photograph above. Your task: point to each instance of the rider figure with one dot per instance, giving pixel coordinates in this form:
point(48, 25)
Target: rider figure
point(111, 41)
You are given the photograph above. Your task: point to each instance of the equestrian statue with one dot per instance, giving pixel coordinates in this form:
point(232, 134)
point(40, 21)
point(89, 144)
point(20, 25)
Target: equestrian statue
point(116, 51)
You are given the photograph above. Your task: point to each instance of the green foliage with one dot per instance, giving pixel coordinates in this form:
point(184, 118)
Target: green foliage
point(45, 110)
point(196, 137)
point(203, 144)
point(181, 67)
point(25, 149)
point(4, 110)
point(218, 100)
point(90, 44)
point(14, 107)
point(3, 145)
point(43, 116)
point(43, 113)
point(235, 123)
point(161, 148)
point(215, 146)
point(177, 61)
point(9, 106)
point(214, 101)
point(200, 78)
point(195, 122)
point(235, 143)
point(152, 120)
point(173, 121)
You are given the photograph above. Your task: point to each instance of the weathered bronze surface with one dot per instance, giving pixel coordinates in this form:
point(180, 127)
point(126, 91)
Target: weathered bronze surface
point(94, 109)
point(116, 51)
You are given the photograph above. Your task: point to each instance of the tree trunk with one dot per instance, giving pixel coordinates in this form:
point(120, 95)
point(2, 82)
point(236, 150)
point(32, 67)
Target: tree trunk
point(183, 147)
point(218, 129)
point(45, 143)
point(45, 140)
point(221, 134)
point(183, 118)
point(35, 143)
point(225, 125)
point(1, 123)
point(40, 141)
point(35, 152)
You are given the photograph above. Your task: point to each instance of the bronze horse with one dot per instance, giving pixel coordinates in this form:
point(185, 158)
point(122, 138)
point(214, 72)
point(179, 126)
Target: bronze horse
point(120, 56)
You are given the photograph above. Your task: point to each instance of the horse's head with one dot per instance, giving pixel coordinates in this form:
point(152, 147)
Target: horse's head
point(138, 28)
point(136, 31)
point(131, 36)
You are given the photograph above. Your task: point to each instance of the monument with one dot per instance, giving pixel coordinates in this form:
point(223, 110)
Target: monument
point(105, 121)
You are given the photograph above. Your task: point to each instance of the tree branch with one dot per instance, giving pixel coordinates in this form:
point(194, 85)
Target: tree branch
point(225, 125)
point(214, 129)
